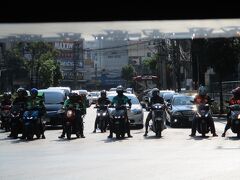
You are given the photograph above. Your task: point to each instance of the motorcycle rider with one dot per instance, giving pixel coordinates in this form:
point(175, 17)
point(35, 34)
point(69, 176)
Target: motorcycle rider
point(119, 100)
point(73, 101)
point(201, 98)
point(83, 110)
point(36, 103)
point(21, 99)
point(6, 100)
point(154, 99)
point(103, 100)
point(235, 99)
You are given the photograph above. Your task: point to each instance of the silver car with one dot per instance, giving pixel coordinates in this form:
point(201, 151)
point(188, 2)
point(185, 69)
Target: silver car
point(135, 114)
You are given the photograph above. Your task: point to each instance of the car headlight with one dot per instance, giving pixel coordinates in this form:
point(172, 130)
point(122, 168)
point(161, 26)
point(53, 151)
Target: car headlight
point(98, 114)
point(177, 114)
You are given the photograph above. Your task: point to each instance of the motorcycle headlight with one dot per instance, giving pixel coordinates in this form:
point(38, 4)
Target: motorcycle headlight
point(177, 114)
point(98, 114)
point(206, 115)
point(238, 116)
point(104, 114)
point(69, 113)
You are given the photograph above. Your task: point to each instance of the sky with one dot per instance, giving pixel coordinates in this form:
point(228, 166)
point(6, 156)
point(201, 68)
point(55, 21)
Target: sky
point(89, 28)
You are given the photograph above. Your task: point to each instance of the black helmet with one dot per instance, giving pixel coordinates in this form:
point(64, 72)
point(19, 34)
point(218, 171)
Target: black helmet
point(72, 95)
point(103, 93)
point(21, 92)
point(7, 95)
point(155, 92)
point(120, 90)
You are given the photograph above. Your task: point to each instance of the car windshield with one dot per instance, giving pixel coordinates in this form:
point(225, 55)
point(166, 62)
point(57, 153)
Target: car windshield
point(53, 97)
point(134, 100)
point(184, 100)
point(94, 94)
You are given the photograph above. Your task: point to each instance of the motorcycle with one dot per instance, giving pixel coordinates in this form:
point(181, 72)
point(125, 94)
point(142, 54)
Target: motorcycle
point(71, 126)
point(16, 120)
point(119, 120)
point(235, 118)
point(203, 114)
point(6, 117)
point(32, 124)
point(102, 117)
point(157, 125)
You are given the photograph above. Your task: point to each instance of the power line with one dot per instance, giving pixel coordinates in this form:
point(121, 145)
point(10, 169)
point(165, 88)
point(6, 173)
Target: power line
point(121, 46)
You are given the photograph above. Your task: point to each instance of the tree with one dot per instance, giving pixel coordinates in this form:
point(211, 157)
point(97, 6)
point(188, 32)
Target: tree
point(49, 70)
point(151, 64)
point(128, 72)
point(15, 65)
point(223, 56)
point(43, 64)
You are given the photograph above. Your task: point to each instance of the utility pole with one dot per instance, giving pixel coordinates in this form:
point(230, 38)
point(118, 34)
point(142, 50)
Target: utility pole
point(75, 52)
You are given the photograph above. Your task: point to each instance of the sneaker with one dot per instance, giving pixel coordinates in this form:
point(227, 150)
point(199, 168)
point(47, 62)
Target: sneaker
point(192, 135)
point(43, 136)
point(214, 135)
point(82, 136)
point(223, 135)
point(130, 136)
point(145, 134)
point(110, 136)
point(94, 131)
point(62, 136)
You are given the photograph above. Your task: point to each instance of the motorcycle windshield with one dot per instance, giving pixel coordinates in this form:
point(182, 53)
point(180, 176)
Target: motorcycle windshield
point(118, 112)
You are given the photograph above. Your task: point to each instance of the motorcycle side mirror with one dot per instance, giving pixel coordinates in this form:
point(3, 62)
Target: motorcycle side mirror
point(146, 99)
point(143, 104)
point(212, 100)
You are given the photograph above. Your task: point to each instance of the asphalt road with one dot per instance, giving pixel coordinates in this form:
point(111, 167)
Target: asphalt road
point(174, 156)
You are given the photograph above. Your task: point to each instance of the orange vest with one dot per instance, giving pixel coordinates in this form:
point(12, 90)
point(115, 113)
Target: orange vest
point(200, 100)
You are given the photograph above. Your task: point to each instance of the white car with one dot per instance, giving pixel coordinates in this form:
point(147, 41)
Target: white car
point(135, 114)
point(94, 96)
point(66, 89)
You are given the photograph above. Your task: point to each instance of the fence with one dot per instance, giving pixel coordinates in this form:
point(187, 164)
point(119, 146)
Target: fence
point(214, 92)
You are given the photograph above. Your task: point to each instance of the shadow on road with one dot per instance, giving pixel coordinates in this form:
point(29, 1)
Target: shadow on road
point(227, 148)
point(199, 138)
point(65, 139)
point(234, 138)
point(112, 140)
point(152, 137)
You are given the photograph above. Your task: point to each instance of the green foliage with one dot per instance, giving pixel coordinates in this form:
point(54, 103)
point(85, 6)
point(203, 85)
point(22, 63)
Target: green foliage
point(151, 64)
point(128, 72)
point(223, 55)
